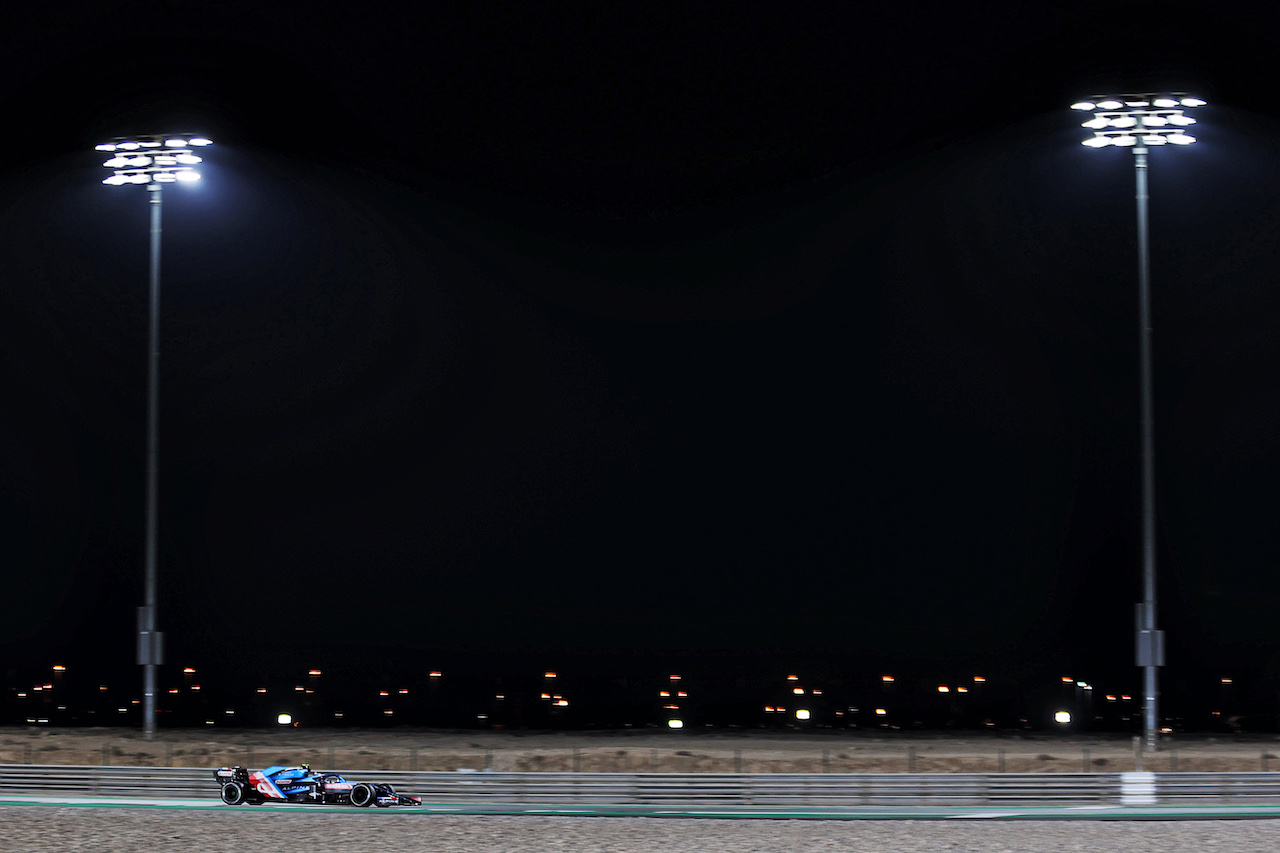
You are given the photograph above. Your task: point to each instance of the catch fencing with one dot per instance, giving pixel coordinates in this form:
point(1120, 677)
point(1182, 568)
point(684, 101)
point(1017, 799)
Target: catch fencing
point(696, 790)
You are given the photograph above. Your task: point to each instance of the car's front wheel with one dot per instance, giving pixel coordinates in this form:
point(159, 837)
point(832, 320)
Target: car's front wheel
point(233, 793)
point(362, 795)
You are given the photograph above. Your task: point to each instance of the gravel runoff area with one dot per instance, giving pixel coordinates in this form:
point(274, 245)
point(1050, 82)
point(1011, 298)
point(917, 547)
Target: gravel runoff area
point(629, 751)
point(27, 829)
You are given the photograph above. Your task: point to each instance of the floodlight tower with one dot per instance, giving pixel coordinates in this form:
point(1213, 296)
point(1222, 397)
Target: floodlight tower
point(152, 161)
point(1137, 121)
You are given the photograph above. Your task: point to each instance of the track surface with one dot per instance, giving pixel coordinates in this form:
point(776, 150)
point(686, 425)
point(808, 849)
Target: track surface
point(1090, 812)
point(132, 827)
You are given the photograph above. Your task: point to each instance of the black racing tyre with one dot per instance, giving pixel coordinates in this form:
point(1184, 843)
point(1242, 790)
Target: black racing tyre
point(233, 793)
point(362, 795)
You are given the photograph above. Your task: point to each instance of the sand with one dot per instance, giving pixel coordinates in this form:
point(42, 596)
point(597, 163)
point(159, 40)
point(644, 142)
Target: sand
point(710, 751)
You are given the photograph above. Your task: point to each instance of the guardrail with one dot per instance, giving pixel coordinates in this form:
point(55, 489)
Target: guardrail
point(694, 789)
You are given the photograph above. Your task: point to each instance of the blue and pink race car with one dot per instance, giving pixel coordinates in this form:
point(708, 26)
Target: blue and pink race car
point(301, 784)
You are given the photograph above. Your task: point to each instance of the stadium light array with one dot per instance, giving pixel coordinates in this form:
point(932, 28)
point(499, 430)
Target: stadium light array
point(153, 159)
point(1127, 120)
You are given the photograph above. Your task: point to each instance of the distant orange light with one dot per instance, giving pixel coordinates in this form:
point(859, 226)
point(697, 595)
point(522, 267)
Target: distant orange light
point(962, 689)
point(313, 672)
point(675, 678)
point(434, 674)
point(681, 693)
point(404, 691)
point(48, 687)
point(383, 693)
point(1226, 681)
point(816, 692)
point(1110, 698)
point(262, 690)
point(799, 691)
point(102, 687)
point(793, 678)
point(1125, 697)
point(173, 690)
point(768, 709)
point(195, 687)
point(187, 670)
point(671, 707)
point(887, 679)
point(664, 693)
point(548, 675)
point(978, 679)
point(500, 696)
point(545, 696)
point(942, 688)
point(563, 703)
point(1066, 679)
point(880, 712)
point(57, 667)
point(388, 712)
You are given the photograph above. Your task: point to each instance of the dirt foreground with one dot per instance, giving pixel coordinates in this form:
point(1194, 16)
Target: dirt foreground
point(627, 751)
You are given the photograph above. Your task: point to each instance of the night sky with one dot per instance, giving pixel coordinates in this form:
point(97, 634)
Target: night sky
point(736, 332)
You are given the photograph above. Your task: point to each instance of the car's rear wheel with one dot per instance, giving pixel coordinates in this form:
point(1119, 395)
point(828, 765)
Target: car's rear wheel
point(362, 795)
point(233, 793)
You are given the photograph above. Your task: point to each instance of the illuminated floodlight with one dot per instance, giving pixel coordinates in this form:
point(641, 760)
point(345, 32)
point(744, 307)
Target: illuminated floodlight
point(1098, 141)
point(1063, 717)
point(675, 724)
point(1097, 122)
point(880, 712)
point(1151, 119)
point(802, 714)
point(1083, 105)
point(284, 720)
point(152, 159)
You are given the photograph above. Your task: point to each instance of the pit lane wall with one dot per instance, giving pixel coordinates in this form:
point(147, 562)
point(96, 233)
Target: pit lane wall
point(677, 790)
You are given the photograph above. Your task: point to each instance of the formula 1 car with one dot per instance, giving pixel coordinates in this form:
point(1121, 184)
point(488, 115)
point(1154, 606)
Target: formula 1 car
point(301, 784)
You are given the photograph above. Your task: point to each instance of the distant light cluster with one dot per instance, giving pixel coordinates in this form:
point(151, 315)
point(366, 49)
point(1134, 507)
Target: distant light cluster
point(157, 159)
point(1131, 120)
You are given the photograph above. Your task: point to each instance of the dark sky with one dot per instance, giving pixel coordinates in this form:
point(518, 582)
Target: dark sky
point(745, 328)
